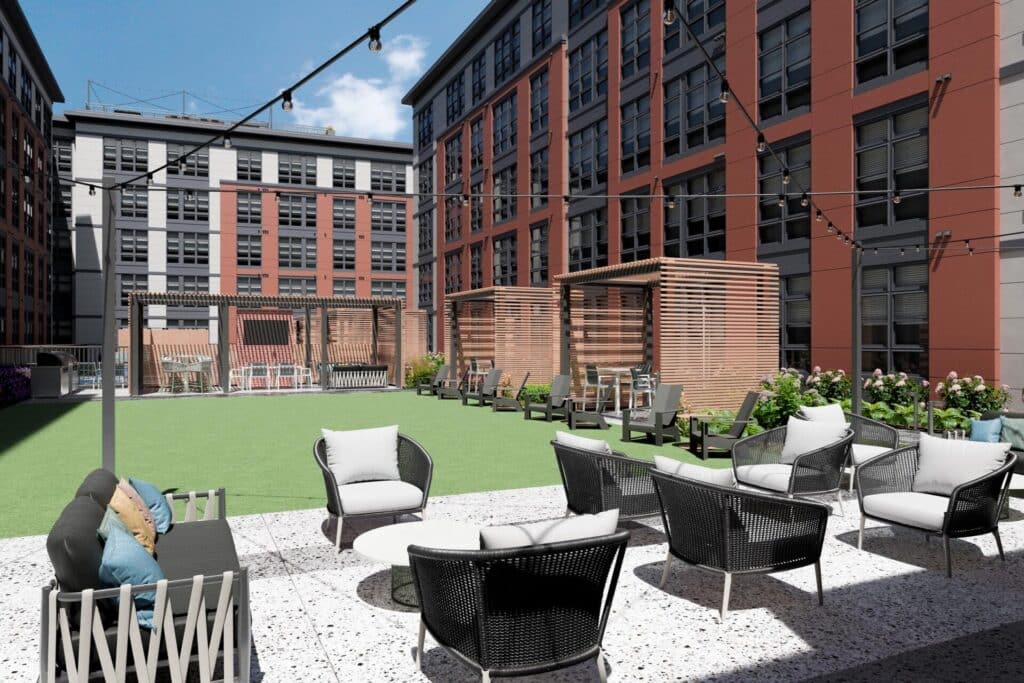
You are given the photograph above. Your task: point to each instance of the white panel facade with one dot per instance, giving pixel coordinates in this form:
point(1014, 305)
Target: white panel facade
point(87, 157)
point(410, 180)
point(158, 208)
point(1011, 154)
point(270, 167)
point(363, 175)
point(158, 158)
point(324, 172)
point(1011, 32)
point(157, 260)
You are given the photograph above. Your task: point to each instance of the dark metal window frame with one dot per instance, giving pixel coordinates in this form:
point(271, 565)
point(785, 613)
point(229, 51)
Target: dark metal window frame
point(539, 254)
point(249, 250)
point(453, 271)
point(581, 10)
point(636, 37)
point(387, 256)
point(386, 216)
point(388, 288)
point(343, 286)
point(891, 290)
point(188, 247)
point(343, 253)
point(425, 126)
point(296, 169)
point(425, 231)
point(134, 203)
point(425, 177)
point(343, 213)
point(539, 102)
point(696, 220)
point(588, 157)
point(792, 221)
point(455, 97)
point(296, 252)
point(793, 296)
point(540, 13)
point(453, 159)
point(588, 72)
point(504, 194)
point(793, 94)
point(705, 18)
point(539, 169)
point(893, 45)
point(343, 173)
point(636, 134)
point(124, 155)
point(452, 219)
point(478, 73)
point(296, 210)
point(682, 130)
point(476, 265)
point(505, 260)
point(249, 164)
point(504, 116)
point(588, 240)
point(249, 208)
point(195, 165)
point(476, 143)
point(506, 47)
point(476, 207)
point(635, 221)
point(188, 206)
point(385, 177)
point(249, 284)
point(133, 246)
point(913, 208)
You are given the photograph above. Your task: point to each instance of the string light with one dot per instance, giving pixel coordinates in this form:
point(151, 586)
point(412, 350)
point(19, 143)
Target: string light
point(92, 191)
point(896, 198)
point(670, 203)
point(970, 250)
point(723, 97)
point(831, 227)
point(785, 176)
point(286, 100)
point(149, 178)
point(818, 217)
point(761, 143)
point(465, 200)
point(876, 251)
point(669, 16)
point(902, 252)
point(782, 200)
point(917, 248)
point(1016, 191)
point(227, 142)
point(804, 201)
point(375, 43)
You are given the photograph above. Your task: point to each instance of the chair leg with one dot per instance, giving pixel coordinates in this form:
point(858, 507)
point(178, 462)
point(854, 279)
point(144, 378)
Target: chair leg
point(337, 533)
point(949, 562)
point(485, 677)
point(839, 499)
point(419, 644)
point(602, 672)
point(817, 575)
point(664, 571)
point(860, 534)
point(999, 544)
point(725, 596)
point(853, 474)
point(567, 511)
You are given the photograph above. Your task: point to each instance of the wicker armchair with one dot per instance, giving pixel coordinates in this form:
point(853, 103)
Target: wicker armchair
point(557, 404)
point(972, 509)
point(486, 392)
point(432, 385)
point(519, 611)
point(757, 462)
point(732, 531)
point(415, 467)
point(595, 482)
point(870, 439)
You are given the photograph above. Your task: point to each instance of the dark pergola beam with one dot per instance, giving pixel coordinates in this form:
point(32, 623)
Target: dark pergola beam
point(135, 345)
point(224, 347)
point(565, 298)
point(325, 362)
point(399, 366)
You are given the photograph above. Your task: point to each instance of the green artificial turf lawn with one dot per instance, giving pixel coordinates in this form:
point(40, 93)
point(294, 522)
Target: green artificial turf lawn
point(260, 448)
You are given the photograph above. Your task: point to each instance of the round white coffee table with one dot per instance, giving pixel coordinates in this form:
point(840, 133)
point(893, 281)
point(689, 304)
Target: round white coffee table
point(390, 544)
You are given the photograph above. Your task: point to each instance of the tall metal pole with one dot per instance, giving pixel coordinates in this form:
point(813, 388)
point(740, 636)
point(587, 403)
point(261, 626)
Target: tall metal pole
point(109, 329)
point(857, 382)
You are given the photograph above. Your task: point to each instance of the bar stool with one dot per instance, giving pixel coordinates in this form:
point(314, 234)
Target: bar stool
point(592, 380)
point(640, 383)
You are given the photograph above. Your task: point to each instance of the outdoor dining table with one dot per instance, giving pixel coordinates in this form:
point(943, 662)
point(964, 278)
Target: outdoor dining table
point(619, 373)
point(183, 366)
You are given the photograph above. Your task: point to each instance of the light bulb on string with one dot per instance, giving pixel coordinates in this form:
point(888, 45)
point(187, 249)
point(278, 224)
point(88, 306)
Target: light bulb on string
point(785, 176)
point(782, 200)
point(375, 43)
point(670, 203)
point(896, 198)
point(818, 216)
point(723, 96)
point(831, 227)
point(668, 17)
point(762, 145)
point(92, 191)
point(1016, 191)
point(465, 200)
point(286, 100)
point(227, 142)
point(804, 201)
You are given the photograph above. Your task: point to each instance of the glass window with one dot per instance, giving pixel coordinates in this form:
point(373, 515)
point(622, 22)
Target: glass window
point(425, 231)
point(506, 53)
point(249, 208)
point(134, 246)
point(539, 102)
point(188, 205)
point(387, 216)
point(387, 177)
point(250, 284)
point(296, 286)
point(131, 156)
point(784, 64)
point(890, 35)
point(705, 17)
point(188, 248)
point(455, 97)
point(344, 214)
point(476, 207)
point(505, 263)
point(505, 125)
point(195, 165)
point(388, 288)
point(539, 254)
point(344, 174)
point(453, 272)
point(504, 194)
point(134, 203)
point(134, 282)
point(588, 240)
point(581, 10)
point(296, 210)
point(636, 134)
point(479, 75)
point(588, 157)
point(541, 15)
point(892, 155)
point(792, 220)
point(293, 169)
point(694, 114)
point(343, 287)
point(588, 72)
point(425, 293)
point(452, 219)
point(249, 253)
point(296, 252)
point(795, 322)
point(425, 127)
point(476, 144)
point(453, 159)
point(636, 37)
point(894, 318)
point(249, 165)
point(695, 226)
point(476, 265)
point(387, 257)
point(636, 228)
point(425, 177)
point(539, 178)
point(344, 254)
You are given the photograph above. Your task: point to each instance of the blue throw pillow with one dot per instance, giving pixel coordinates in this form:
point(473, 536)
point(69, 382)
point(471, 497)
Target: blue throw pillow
point(156, 503)
point(126, 561)
point(986, 430)
point(111, 520)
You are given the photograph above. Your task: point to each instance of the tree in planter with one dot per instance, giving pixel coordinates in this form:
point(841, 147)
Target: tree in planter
point(972, 394)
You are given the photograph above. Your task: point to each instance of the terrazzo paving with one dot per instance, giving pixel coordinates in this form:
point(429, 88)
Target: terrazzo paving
point(889, 611)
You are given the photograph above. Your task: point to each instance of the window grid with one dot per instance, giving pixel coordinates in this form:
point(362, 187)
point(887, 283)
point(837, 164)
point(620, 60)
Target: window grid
point(476, 265)
point(425, 127)
point(506, 52)
point(296, 210)
point(539, 254)
point(249, 165)
point(779, 224)
point(452, 219)
point(455, 97)
point(588, 240)
point(636, 134)
point(476, 144)
point(505, 125)
point(133, 282)
point(795, 322)
point(696, 226)
point(453, 159)
point(636, 229)
point(64, 156)
point(636, 37)
point(296, 286)
point(505, 261)
point(387, 216)
point(703, 16)
point(425, 177)
point(476, 207)
point(188, 248)
point(504, 194)
point(892, 154)
point(425, 294)
point(388, 288)
point(249, 208)
point(387, 177)
point(249, 284)
point(343, 287)
point(343, 173)
point(588, 157)
point(425, 231)
point(453, 272)
point(694, 114)
point(344, 254)
point(894, 318)
point(131, 156)
point(188, 284)
point(249, 251)
point(539, 102)
point(539, 178)
point(541, 25)
point(890, 35)
point(134, 202)
point(294, 169)
point(479, 76)
point(296, 252)
point(588, 72)
point(581, 10)
point(134, 246)
point(343, 214)
point(188, 205)
point(784, 64)
point(196, 165)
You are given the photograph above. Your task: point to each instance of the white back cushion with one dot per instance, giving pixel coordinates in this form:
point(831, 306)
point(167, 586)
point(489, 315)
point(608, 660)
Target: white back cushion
point(944, 464)
point(363, 454)
point(833, 412)
point(583, 443)
point(804, 436)
point(684, 470)
point(549, 531)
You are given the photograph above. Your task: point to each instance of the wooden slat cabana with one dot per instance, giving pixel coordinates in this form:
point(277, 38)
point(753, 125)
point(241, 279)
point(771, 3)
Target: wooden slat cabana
point(513, 327)
point(712, 326)
point(380, 327)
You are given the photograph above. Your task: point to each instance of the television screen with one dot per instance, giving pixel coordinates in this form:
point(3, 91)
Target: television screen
point(265, 332)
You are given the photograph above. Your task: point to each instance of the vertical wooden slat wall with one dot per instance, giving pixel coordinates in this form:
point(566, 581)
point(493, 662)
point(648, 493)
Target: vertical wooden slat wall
point(607, 329)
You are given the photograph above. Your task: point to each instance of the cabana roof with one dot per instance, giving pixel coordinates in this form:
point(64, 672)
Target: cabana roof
point(259, 300)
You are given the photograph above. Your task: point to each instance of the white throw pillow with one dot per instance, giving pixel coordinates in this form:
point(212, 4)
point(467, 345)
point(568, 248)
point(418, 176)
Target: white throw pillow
point(944, 464)
point(804, 436)
point(363, 454)
point(549, 531)
point(833, 412)
point(684, 470)
point(583, 443)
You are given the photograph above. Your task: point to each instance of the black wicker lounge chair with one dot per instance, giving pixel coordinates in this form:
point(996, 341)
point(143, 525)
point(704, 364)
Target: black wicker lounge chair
point(660, 421)
point(519, 611)
point(733, 531)
point(703, 443)
point(757, 462)
point(595, 482)
point(431, 386)
point(415, 467)
point(510, 402)
point(885, 490)
point(453, 388)
point(486, 391)
point(557, 404)
point(871, 438)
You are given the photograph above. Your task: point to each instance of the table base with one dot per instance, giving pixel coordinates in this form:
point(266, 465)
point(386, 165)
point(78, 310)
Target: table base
point(402, 590)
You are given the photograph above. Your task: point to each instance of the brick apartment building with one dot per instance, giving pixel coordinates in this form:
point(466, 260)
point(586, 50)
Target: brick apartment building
point(28, 90)
point(592, 98)
point(277, 212)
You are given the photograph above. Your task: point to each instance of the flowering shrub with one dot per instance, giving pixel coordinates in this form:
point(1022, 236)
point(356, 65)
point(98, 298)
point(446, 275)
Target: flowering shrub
point(423, 368)
point(15, 384)
point(781, 397)
point(894, 388)
point(831, 385)
point(972, 393)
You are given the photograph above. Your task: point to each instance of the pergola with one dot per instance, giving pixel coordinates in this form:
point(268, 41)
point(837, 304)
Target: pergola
point(712, 326)
point(512, 326)
point(381, 349)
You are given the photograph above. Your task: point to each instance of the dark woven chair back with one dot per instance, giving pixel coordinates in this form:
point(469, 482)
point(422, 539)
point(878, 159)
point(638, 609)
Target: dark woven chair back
point(520, 611)
point(666, 398)
point(596, 482)
point(561, 385)
point(320, 455)
point(522, 386)
point(735, 530)
point(744, 414)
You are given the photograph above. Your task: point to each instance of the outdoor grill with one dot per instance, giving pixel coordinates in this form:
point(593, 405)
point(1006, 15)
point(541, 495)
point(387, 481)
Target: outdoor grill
point(54, 374)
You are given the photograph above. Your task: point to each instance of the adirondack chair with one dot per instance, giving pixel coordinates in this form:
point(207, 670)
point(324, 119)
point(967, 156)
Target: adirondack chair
point(660, 421)
point(453, 388)
point(510, 402)
point(486, 391)
point(557, 404)
point(432, 385)
point(702, 442)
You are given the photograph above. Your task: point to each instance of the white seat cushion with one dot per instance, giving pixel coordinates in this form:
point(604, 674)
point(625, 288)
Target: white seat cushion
point(378, 496)
point(774, 477)
point(583, 443)
point(804, 436)
point(710, 475)
point(549, 531)
point(862, 452)
point(921, 510)
point(833, 412)
point(363, 454)
point(944, 464)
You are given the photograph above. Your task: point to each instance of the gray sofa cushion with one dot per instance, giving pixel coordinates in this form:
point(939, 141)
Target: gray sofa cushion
point(74, 547)
point(203, 547)
point(98, 485)
point(921, 510)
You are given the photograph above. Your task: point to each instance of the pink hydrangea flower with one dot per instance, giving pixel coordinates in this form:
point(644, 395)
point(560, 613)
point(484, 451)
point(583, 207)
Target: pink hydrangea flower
point(955, 388)
point(837, 378)
point(938, 387)
point(867, 383)
point(877, 372)
point(879, 384)
point(901, 383)
point(1006, 387)
point(925, 383)
point(979, 388)
point(902, 375)
point(979, 378)
point(817, 369)
point(952, 375)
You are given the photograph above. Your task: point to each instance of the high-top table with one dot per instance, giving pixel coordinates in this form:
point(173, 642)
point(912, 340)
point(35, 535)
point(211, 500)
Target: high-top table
point(390, 545)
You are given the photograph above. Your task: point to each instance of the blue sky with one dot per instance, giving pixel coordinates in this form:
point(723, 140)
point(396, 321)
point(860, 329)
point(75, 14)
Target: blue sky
point(237, 54)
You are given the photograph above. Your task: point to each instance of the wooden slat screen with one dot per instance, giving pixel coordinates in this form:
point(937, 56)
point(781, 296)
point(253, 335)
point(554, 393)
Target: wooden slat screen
point(607, 329)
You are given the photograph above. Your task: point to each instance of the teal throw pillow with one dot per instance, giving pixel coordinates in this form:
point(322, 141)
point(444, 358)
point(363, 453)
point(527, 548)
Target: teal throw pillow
point(1013, 432)
point(986, 430)
point(126, 561)
point(156, 503)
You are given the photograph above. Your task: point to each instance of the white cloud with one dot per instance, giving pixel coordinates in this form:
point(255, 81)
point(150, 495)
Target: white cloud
point(368, 107)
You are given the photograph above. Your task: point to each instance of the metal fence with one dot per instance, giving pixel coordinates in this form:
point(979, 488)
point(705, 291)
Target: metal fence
point(26, 355)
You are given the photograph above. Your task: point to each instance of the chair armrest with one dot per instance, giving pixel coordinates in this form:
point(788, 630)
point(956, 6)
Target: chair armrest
point(891, 472)
point(821, 469)
point(415, 465)
point(974, 506)
point(759, 449)
point(872, 432)
point(794, 527)
point(215, 503)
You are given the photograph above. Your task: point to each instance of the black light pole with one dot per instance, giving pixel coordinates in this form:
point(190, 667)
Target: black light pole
point(856, 258)
point(109, 327)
